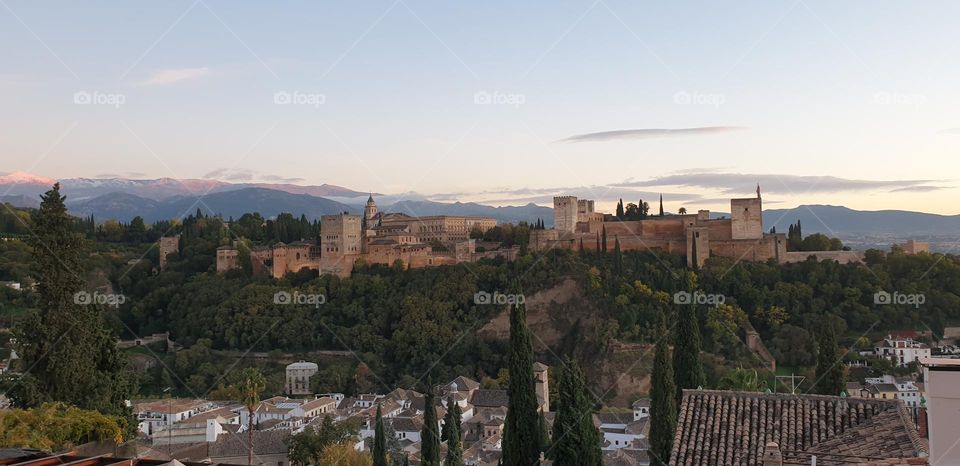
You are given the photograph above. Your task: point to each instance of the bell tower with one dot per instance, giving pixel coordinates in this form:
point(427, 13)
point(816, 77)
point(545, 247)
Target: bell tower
point(370, 211)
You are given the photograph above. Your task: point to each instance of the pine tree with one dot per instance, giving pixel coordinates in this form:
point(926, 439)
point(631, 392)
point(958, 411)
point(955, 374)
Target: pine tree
point(831, 379)
point(379, 441)
point(521, 445)
point(688, 369)
point(429, 437)
point(663, 404)
point(620, 209)
point(451, 430)
point(577, 441)
point(69, 352)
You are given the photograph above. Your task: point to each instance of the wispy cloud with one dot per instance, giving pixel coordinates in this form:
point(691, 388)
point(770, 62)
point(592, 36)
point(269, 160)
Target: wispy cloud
point(649, 133)
point(745, 183)
point(919, 189)
point(171, 76)
point(248, 176)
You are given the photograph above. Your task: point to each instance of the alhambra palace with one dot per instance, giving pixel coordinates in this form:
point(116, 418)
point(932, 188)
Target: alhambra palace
point(374, 238)
point(577, 226)
point(395, 238)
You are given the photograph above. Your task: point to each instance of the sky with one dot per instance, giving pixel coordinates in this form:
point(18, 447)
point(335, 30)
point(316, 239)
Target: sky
point(820, 102)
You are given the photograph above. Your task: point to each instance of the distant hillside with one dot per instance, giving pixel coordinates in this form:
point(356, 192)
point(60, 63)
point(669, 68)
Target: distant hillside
point(509, 214)
point(268, 202)
point(842, 221)
point(77, 189)
point(22, 201)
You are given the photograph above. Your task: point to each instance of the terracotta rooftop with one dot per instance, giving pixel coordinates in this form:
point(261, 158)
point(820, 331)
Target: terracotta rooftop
point(490, 398)
point(733, 428)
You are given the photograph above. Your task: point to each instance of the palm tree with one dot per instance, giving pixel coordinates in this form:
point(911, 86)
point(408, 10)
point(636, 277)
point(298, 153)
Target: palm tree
point(745, 380)
point(682, 211)
point(251, 384)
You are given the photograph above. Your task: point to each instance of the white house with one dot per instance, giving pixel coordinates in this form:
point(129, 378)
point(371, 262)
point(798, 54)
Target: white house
point(155, 415)
point(641, 409)
point(902, 351)
point(619, 430)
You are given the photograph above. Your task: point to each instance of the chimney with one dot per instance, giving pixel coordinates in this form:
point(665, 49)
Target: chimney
point(772, 455)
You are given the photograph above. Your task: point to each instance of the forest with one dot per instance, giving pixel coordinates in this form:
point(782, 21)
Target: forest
point(397, 324)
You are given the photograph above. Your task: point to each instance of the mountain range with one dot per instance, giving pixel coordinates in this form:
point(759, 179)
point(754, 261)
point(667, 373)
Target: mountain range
point(166, 198)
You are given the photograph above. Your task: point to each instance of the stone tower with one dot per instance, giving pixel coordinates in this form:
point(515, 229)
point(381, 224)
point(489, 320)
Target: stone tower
point(565, 210)
point(340, 241)
point(542, 379)
point(168, 245)
point(746, 218)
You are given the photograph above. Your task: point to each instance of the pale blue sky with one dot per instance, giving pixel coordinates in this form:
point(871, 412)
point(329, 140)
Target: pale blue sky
point(857, 90)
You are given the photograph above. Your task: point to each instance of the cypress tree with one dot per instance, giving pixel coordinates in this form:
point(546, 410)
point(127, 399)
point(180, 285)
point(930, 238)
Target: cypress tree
point(429, 437)
point(577, 441)
point(661, 205)
point(451, 430)
point(598, 242)
point(831, 379)
point(688, 369)
point(617, 257)
point(620, 209)
point(69, 352)
point(379, 442)
point(603, 234)
point(521, 442)
point(544, 434)
point(663, 404)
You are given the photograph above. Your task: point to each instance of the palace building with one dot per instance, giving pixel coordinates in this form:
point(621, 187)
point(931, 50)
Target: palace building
point(375, 238)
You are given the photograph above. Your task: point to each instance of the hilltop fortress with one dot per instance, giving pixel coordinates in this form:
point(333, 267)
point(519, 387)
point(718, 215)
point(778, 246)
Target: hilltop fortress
point(374, 238)
point(396, 238)
point(741, 237)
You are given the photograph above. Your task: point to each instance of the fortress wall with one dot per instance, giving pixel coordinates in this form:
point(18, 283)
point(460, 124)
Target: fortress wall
point(720, 229)
point(758, 250)
point(843, 257)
